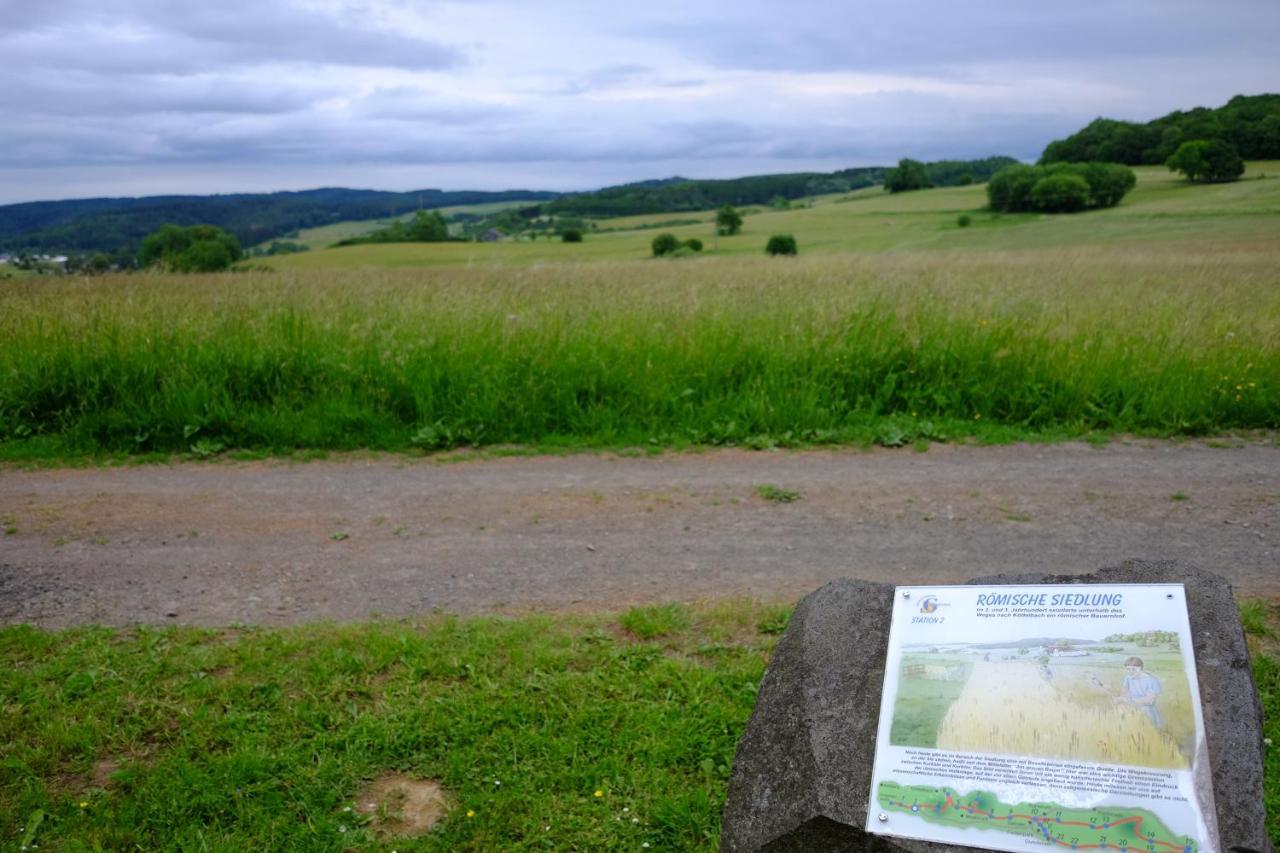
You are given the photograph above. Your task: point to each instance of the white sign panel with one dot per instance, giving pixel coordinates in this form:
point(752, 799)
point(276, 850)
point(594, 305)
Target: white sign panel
point(1068, 717)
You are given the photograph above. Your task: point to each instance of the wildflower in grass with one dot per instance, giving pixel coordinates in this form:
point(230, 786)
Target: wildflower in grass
point(84, 804)
point(497, 783)
point(598, 793)
point(471, 812)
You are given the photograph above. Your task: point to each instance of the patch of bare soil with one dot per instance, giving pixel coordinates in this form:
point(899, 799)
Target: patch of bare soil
point(103, 770)
point(401, 806)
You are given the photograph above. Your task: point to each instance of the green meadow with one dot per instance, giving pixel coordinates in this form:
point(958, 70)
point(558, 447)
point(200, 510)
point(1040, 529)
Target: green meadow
point(607, 732)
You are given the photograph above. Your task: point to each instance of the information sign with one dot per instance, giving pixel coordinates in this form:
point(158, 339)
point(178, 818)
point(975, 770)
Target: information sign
point(1068, 717)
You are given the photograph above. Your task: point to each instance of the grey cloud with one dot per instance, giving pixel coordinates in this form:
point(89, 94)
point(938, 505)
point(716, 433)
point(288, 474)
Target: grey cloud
point(403, 103)
point(158, 36)
point(891, 36)
point(85, 95)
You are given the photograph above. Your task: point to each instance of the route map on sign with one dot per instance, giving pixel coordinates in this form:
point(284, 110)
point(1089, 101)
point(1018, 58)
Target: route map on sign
point(1126, 830)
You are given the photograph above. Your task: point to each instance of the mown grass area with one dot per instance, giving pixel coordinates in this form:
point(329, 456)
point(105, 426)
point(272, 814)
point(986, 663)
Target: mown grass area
point(890, 349)
point(566, 733)
point(547, 734)
point(1164, 209)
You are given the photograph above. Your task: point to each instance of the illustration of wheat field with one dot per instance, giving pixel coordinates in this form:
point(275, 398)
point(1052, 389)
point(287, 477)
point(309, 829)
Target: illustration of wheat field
point(1014, 708)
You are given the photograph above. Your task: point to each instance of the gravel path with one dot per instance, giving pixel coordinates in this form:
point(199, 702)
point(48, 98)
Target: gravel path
point(280, 542)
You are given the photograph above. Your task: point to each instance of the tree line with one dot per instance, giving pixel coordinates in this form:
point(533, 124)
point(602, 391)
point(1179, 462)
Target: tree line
point(1250, 124)
point(681, 194)
point(118, 226)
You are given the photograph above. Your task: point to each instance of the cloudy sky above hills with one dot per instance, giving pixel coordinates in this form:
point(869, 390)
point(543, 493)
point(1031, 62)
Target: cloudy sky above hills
point(140, 97)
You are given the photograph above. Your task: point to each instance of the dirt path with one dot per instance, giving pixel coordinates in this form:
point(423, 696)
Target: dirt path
point(276, 542)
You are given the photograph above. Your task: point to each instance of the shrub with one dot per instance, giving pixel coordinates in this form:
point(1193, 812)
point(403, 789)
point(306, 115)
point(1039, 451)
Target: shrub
point(1011, 190)
point(1060, 194)
point(1108, 182)
point(781, 244)
point(571, 235)
point(964, 220)
point(693, 244)
point(664, 244)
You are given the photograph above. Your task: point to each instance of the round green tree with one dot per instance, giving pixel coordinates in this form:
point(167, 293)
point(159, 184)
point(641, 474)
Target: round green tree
point(728, 220)
point(571, 235)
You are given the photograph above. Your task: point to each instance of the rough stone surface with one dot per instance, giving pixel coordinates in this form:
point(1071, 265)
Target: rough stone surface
point(802, 775)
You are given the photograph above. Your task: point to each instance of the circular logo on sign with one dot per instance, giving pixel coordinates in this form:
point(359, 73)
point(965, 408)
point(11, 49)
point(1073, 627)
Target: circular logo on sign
point(929, 604)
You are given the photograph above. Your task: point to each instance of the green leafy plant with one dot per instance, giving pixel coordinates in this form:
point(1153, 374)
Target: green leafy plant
point(770, 492)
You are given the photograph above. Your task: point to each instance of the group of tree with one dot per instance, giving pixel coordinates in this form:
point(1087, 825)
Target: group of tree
point(914, 175)
point(1059, 188)
point(1248, 123)
point(1207, 161)
point(909, 175)
point(197, 248)
point(427, 226)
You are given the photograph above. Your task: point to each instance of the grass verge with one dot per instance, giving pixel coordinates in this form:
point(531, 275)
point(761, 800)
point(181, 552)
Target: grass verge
point(567, 733)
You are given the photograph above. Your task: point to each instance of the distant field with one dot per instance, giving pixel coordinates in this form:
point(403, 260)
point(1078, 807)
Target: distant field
point(891, 348)
point(1162, 209)
point(326, 235)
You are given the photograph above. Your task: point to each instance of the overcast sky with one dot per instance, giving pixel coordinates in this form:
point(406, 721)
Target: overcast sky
point(140, 97)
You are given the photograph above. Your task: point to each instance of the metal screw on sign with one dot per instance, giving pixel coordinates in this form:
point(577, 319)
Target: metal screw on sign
point(906, 595)
point(1169, 596)
point(883, 817)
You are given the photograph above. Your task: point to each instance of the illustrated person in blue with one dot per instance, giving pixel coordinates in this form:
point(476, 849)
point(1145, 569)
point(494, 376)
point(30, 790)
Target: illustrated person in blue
point(1141, 689)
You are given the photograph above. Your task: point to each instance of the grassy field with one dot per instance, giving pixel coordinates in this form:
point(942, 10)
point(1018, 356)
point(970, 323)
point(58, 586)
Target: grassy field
point(892, 349)
point(584, 733)
point(1164, 209)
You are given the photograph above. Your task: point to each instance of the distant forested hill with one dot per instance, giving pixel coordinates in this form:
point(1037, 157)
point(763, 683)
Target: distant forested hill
point(678, 194)
point(1251, 123)
point(117, 225)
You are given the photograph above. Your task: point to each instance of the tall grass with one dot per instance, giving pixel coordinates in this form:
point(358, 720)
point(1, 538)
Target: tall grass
point(758, 352)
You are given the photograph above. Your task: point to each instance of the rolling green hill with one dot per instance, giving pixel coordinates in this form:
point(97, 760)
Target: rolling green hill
point(1161, 210)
